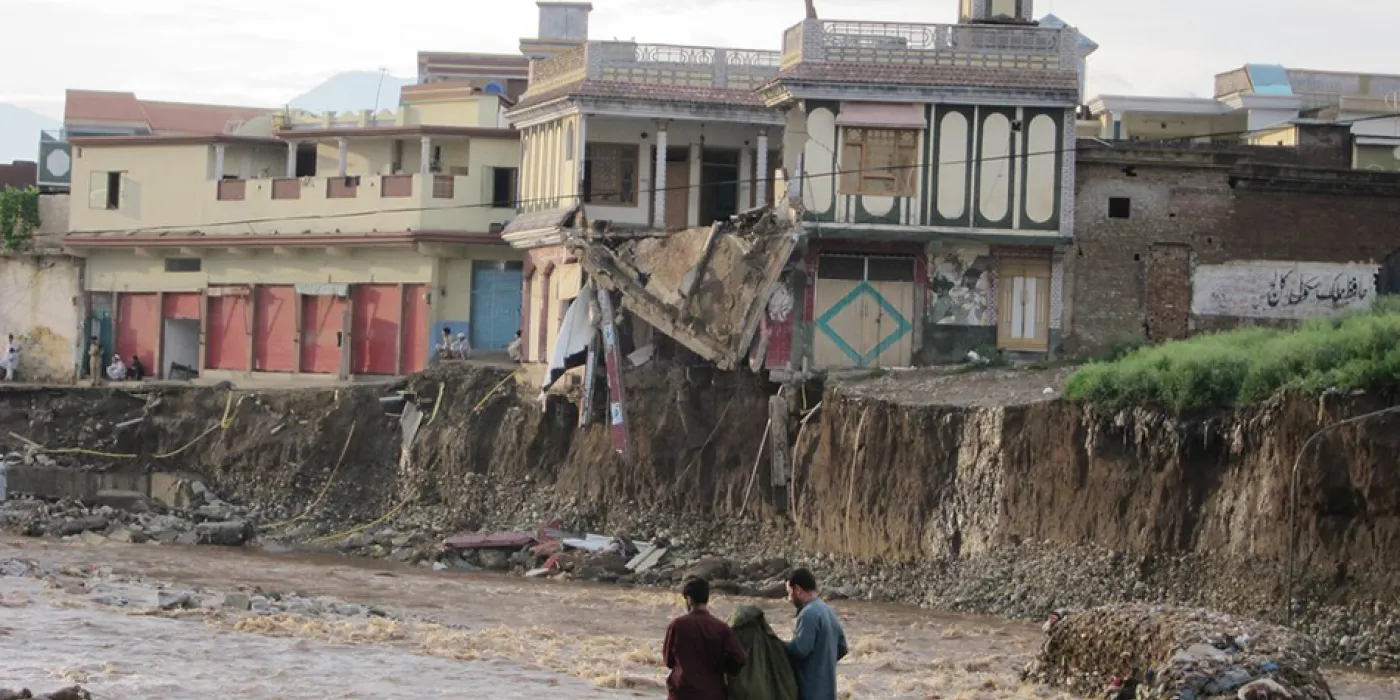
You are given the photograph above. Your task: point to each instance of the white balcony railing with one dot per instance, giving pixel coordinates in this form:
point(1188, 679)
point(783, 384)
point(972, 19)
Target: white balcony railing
point(655, 64)
point(904, 43)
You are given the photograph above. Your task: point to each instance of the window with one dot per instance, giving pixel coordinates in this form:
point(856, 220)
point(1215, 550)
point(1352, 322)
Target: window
point(182, 264)
point(610, 174)
point(1120, 207)
point(503, 187)
point(105, 190)
point(881, 162)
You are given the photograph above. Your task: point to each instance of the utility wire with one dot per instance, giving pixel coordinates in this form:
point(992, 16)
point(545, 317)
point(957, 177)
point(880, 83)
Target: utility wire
point(1097, 145)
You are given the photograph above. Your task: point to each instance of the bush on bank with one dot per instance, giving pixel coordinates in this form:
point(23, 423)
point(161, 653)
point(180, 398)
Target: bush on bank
point(1351, 352)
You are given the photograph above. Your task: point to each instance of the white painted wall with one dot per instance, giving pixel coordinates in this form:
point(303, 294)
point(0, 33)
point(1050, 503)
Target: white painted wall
point(1282, 290)
point(40, 304)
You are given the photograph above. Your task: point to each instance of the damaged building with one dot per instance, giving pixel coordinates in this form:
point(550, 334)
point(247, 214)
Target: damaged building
point(928, 171)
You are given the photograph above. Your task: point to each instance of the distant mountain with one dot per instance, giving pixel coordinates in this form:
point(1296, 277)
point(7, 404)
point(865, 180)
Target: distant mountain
point(352, 91)
point(19, 132)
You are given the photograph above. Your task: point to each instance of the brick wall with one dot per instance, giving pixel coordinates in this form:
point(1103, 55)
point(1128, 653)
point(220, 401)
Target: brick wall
point(1194, 206)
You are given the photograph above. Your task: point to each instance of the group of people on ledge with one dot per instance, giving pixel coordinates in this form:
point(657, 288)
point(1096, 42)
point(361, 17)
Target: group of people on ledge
point(712, 660)
point(459, 348)
point(117, 371)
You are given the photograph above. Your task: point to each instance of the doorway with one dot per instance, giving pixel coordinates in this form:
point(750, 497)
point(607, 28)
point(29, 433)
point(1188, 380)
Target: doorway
point(1023, 308)
point(181, 338)
point(495, 305)
point(306, 160)
point(865, 306)
point(719, 185)
point(677, 190)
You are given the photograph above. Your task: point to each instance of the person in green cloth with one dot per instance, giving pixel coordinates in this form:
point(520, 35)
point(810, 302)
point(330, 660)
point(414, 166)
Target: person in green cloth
point(768, 674)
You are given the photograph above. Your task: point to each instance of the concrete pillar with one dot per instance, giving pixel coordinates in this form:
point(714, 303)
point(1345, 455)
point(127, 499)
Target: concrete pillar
point(425, 155)
point(344, 147)
point(693, 195)
point(291, 159)
point(218, 162)
point(580, 152)
point(746, 174)
point(658, 179)
point(762, 175)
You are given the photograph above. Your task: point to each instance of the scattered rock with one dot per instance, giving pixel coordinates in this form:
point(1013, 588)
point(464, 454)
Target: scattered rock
point(494, 559)
point(77, 526)
point(237, 601)
point(711, 569)
point(129, 501)
point(175, 600)
point(233, 533)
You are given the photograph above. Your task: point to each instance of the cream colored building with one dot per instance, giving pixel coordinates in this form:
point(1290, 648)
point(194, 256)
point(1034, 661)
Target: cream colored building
point(338, 245)
point(1261, 105)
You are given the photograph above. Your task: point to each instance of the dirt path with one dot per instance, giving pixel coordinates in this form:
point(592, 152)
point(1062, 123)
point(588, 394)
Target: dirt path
point(980, 389)
point(605, 635)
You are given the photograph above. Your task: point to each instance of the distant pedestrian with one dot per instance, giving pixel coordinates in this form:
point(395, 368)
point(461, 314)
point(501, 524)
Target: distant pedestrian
point(462, 349)
point(700, 649)
point(444, 348)
point(514, 350)
point(138, 370)
point(95, 361)
point(11, 359)
point(817, 643)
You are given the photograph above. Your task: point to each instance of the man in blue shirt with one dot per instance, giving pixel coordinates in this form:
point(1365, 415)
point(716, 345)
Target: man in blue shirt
point(818, 643)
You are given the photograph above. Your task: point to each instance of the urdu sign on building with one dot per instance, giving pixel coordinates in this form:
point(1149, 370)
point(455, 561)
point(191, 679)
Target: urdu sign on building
point(1282, 290)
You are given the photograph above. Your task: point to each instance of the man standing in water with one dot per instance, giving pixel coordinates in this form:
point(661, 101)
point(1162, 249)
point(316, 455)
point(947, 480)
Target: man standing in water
point(700, 649)
point(818, 643)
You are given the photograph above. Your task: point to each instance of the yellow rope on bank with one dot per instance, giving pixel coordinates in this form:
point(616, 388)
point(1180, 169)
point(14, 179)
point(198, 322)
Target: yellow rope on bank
point(224, 423)
point(324, 489)
point(491, 393)
point(356, 530)
point(442, 386)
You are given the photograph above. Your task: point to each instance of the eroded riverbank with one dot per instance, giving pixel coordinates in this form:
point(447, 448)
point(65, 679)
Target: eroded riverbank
point(443, 633)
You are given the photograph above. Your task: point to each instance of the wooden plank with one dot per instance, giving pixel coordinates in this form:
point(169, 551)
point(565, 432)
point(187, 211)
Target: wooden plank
point(590, 372)
point(706, 255)
point(617, 400)
point(780, 418)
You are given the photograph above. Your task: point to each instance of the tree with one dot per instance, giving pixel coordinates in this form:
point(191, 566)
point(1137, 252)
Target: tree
point(19, 216)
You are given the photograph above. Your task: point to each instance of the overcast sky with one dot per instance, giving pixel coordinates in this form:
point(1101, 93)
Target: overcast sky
point(261, 52)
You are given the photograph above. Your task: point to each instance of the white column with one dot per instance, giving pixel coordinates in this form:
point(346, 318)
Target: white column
point(218, 162)
point(580, 153)
point(746, 178)
point(762, 174)
point(693, 195)
point(344, 155)
point(291, 159)
point(425, 155)
point(658, 178)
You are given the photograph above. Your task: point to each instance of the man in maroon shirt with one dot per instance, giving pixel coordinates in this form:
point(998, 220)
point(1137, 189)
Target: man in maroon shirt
point(700, 649)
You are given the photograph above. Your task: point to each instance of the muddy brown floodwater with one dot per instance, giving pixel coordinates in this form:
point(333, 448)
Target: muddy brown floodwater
point(455, 635)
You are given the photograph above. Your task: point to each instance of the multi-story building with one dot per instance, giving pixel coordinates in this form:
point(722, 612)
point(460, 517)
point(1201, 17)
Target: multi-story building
point(338, 245)
point(105, 113)
point(1264, 105)
point(647, 137)
point(935, 165)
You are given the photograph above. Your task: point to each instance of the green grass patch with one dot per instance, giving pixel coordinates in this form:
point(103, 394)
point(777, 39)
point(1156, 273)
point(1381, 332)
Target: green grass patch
point(1356, 351)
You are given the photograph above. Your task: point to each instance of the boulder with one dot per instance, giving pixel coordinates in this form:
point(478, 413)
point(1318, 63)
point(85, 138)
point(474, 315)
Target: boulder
point(232, 533)
point(711, 569)
point(77, 526)
point(494, 559)
point(129, 501)
point(175, 600)
point(237, 601)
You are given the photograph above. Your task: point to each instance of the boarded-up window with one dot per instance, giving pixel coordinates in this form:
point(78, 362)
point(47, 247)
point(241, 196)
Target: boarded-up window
point(881, 162)
point(610, 174)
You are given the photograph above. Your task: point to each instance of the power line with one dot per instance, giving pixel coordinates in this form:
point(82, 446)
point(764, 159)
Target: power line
point(653, 190)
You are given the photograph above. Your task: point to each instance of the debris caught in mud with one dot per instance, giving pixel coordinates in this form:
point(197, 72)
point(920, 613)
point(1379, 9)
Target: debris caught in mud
point(1165, 653)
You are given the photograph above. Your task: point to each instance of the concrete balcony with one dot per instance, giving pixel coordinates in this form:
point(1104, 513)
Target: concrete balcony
point(930, 45)
point(654, 64)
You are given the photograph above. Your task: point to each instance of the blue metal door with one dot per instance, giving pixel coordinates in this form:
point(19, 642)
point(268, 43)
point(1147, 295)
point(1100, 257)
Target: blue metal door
point(495, 303)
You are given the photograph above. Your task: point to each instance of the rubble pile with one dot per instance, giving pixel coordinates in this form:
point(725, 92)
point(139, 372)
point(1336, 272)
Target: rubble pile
point(129, 516)
point(71, 693)
point(1164, 653)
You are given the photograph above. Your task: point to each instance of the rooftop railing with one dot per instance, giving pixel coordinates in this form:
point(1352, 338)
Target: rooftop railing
point(655, 64)
point(909, 44)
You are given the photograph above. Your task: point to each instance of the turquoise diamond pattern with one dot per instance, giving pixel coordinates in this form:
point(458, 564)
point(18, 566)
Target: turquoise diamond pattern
point(902, 327)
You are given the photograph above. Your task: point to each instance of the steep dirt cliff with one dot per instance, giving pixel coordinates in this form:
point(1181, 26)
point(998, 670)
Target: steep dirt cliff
point(1005, 509)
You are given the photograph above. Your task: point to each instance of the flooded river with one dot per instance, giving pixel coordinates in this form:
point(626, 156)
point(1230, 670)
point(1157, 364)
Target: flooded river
point(453, 635)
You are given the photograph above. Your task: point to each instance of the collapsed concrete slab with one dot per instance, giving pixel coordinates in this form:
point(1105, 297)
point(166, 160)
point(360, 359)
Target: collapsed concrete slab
point(706, 288)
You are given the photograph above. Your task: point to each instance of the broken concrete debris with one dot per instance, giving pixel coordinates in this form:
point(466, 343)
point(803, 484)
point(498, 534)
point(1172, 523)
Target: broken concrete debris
point(69, 693)
point(706, 288)
point(1164, 653)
